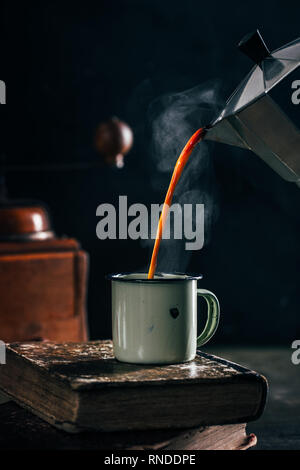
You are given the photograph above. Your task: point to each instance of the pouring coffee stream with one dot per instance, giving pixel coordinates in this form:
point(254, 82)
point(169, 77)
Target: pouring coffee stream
point(178, 169)
point(259, 116)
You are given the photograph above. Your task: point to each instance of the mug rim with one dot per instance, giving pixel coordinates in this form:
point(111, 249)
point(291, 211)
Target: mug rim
point(120, 277)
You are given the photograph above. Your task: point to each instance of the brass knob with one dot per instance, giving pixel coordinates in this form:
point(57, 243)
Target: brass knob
point(21, 220)
point(113, 139)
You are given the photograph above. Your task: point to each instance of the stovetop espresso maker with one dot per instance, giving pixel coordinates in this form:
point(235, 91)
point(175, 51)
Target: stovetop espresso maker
point(263, 114)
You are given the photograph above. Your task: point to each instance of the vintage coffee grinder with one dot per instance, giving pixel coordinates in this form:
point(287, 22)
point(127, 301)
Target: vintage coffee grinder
point(43, 278)
point(261, 115)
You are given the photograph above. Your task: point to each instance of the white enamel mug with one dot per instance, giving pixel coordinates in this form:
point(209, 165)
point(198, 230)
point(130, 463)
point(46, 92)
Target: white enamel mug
point(155, 321)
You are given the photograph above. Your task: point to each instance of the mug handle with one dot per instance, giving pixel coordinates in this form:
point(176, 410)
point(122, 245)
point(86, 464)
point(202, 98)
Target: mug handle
point(213, 316)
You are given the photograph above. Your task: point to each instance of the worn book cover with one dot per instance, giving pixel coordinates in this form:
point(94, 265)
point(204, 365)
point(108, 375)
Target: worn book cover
point(31, 432)
point(80, 386)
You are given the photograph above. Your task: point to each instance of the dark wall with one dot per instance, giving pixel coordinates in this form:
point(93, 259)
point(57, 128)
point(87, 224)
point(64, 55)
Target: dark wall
point(69, 66)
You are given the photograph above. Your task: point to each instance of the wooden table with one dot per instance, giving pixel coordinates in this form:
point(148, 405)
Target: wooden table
point(278, 428)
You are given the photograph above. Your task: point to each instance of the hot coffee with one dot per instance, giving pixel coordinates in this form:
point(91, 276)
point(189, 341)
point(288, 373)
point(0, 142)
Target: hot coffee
point(178, 169)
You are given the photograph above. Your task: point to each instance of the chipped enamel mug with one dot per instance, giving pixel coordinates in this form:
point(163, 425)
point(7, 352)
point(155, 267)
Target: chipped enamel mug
point(155, 321)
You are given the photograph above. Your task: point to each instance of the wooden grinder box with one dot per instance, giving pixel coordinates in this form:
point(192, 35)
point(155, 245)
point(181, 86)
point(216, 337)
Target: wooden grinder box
point(43, 290)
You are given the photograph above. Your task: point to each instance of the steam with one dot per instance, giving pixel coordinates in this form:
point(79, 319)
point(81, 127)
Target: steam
point(172, 119)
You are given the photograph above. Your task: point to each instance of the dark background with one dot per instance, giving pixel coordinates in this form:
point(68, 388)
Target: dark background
point(68, 66)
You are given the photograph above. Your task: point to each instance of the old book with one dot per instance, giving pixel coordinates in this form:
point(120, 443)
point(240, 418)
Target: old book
point(3, 398)
point(80, 386)
point(20, 429)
